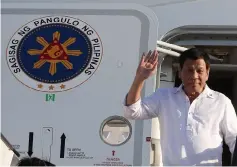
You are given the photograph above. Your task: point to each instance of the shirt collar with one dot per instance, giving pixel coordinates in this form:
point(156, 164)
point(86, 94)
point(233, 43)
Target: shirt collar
point(207, 91)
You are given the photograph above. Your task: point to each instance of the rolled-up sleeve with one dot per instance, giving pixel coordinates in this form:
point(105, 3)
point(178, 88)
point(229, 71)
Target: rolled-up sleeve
point(145, 108)
point(229, 126)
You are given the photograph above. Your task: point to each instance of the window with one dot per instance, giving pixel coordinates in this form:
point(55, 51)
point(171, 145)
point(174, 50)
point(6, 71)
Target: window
point(115, 130)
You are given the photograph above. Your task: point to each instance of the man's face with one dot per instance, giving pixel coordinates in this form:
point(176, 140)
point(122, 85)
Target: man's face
point(194, 75)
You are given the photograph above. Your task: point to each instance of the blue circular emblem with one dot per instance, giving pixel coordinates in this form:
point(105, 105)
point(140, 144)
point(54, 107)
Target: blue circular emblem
point(54, 53)
point(43, 43)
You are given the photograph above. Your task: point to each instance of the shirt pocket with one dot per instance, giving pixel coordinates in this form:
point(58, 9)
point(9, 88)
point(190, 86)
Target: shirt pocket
point(207, 118)
point(202, 117)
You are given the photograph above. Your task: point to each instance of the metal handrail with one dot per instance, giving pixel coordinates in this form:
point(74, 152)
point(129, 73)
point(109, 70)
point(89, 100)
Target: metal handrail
point(3, 138)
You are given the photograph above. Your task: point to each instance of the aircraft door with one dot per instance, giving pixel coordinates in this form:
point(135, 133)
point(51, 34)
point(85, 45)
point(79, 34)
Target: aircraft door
point(67, 69)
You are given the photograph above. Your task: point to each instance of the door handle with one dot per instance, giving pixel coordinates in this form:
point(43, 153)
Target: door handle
point(156, 152)
point(47, 142)
point(153, 154)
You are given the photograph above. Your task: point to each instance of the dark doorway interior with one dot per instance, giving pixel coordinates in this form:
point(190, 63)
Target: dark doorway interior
point(223, 82)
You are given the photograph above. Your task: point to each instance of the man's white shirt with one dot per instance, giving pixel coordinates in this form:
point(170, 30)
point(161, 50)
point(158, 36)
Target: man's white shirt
point(189, 134)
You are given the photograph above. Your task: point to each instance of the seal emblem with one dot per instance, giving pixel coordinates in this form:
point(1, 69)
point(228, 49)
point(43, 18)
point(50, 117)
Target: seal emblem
point(54, 53)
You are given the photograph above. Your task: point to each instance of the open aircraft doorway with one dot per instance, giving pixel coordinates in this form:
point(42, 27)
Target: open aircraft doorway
point(223, 53)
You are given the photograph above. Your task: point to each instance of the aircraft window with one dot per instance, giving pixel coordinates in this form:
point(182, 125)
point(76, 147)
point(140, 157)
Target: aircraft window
point(115, 130)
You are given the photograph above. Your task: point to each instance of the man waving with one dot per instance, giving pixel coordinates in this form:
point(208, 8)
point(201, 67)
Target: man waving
point(194, 119)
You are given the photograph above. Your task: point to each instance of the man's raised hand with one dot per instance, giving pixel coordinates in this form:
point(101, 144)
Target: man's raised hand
point(147, 65)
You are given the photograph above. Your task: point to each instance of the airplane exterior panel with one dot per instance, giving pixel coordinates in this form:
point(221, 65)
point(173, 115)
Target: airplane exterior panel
point(65, 71)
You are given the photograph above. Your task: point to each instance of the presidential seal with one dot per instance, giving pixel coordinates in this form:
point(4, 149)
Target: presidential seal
point(53, 54)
